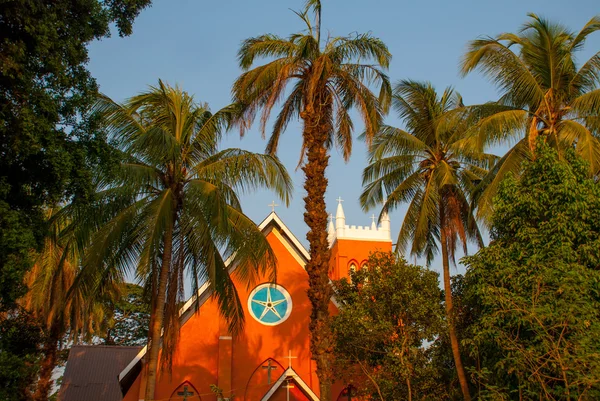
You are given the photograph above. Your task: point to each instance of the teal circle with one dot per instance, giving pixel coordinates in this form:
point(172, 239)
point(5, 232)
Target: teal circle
point(270, 304)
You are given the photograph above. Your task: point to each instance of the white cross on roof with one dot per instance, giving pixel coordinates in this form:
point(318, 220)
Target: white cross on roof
point(289, 358)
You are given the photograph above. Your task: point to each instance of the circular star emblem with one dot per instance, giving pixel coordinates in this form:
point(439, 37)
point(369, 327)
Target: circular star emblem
point(270, 304)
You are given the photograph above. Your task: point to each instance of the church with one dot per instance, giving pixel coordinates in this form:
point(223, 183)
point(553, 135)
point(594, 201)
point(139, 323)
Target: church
point(269, 360)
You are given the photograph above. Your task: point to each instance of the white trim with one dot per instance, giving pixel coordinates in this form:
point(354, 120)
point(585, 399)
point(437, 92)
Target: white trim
point(225, 338)
point(290, 373)
point(131, 364)
point(188, 304)
point(273, 217)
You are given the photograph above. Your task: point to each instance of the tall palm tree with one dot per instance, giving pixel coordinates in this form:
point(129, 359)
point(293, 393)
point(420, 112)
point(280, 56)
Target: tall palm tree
point(55, 299)
point(326, 80)
point(174, 209)
point(544, 94)
point(426, 167)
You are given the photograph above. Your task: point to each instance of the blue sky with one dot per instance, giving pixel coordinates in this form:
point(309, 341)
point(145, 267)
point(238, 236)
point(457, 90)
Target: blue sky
point(194, 44)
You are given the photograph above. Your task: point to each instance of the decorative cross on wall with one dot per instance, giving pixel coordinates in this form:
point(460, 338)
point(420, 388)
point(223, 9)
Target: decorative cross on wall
point(350, 392)
point(288, 386)
point(185, 393)
point(273, 205)
point(269, 368)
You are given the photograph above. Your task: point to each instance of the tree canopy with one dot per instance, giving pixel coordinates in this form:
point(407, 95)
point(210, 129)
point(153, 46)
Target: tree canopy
point(544, 92)
point(389, 311)
point(47, 152)
point(535, 289)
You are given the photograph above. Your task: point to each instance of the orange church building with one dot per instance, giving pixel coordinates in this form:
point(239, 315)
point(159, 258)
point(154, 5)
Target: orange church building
point(270, 360)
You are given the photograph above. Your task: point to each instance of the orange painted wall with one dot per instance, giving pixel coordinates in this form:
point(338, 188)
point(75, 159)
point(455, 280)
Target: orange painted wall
point(202, 358)
point(347, 251)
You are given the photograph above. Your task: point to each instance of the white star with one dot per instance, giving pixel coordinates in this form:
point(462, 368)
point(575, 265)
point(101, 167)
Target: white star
point(269, 305)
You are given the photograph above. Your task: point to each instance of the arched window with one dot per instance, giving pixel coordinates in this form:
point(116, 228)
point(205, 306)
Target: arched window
point(348, 394)
point(185, 392)
point(263, 377)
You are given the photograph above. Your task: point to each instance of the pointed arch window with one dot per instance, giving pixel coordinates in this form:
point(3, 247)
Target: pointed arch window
point(185, 392)
point(348, 394)
point(352, 267)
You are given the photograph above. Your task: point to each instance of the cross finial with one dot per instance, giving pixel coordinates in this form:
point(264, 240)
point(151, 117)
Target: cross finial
point(289, 358)
point(331, 217)
point(373, 218)
point(272, 205)
point(339, 199)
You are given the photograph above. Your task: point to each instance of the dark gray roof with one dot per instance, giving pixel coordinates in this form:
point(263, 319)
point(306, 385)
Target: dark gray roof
point(92, 372)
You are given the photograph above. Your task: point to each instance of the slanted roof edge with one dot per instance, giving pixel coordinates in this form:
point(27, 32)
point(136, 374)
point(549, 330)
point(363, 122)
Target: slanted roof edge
point(290, 373)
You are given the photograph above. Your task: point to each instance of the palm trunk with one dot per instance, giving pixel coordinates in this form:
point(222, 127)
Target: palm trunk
point(157, 321)
point(44, 384)
point(315, 216)
point(464, 386)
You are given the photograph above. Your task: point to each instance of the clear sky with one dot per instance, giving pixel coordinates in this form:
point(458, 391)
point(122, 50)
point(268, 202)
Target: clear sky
point(193, 43)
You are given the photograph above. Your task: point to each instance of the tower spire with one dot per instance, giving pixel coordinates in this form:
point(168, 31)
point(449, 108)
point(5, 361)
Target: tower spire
point(385, 224)
point(340, 219)
point(330, 230)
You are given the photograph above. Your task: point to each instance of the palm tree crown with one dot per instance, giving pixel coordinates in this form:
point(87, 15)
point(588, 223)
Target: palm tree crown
point(174, 207)
point(58, 299)
point(320, 84)
point(427, 167)
point(544, 93)
point(326, 80)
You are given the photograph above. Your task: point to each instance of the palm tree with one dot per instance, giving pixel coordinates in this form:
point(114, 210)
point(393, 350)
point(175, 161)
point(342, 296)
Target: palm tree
point(426, 167)
point(545, 94)
point(55, 299)
point(326, 81)
point(173, 208)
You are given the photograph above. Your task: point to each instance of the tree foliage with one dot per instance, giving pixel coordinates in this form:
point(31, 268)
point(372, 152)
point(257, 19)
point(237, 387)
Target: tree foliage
point(544, 92)
point(45, 88)
point(390, 311)
point(427, 167)
point(47, 152)
point(319, 82)
point(173, 208)
point(20, 343)
point(57, 299)
point(130, 317)
point(535, 290)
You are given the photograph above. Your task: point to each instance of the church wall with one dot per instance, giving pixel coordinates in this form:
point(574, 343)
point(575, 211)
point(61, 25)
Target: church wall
point(208, 355)
point(196, 360)
point(260, 342)
point(348, 251)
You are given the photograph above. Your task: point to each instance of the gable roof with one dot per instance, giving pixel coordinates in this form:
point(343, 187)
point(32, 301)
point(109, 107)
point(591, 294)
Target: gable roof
point(204, 292)
point(290, 373)
point(92, 372)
